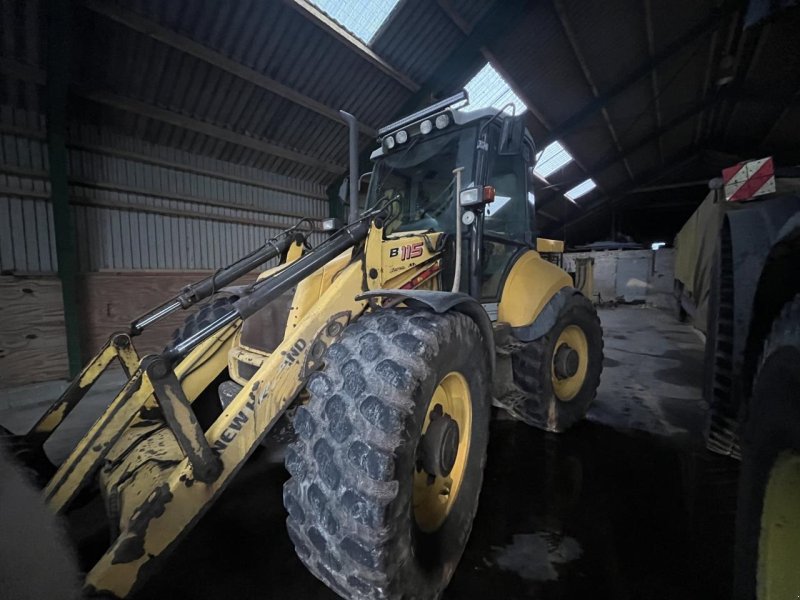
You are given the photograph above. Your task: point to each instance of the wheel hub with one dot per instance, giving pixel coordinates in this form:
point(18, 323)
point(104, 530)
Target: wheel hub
point(439, 445)
point(442, 451)
point(565, 362)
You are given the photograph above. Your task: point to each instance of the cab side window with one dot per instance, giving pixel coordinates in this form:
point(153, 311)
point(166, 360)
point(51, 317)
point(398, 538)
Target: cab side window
point(507, 215)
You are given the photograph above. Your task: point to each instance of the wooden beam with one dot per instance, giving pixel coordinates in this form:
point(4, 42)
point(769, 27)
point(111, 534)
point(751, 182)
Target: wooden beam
point(668, 186)
point(179, 120)
point(459, 22)
point(135, 21)
point(608, 161)
point(698, 31)
point(171, 212)
point(561, 11)
point(322, 20)
point(654, 86)
point(161, 162)
point(126, 189)
point(619, 196)
point(180, 166)
point(166, 116)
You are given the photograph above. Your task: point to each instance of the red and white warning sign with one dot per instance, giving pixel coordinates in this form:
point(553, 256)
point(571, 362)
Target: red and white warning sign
point(749, 179)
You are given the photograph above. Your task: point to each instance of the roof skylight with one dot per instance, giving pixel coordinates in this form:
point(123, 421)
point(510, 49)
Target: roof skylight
point(581, 189)
point(362, 18)
point(489, 89)
point(551, 159)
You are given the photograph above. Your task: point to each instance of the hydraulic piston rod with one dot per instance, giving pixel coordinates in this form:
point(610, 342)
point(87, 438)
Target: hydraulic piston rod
point(269, 289)
point(195, 292)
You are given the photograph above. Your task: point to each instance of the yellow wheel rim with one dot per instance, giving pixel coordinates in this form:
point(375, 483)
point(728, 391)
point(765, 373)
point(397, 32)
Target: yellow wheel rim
point(567, 383)
point(779, 546)
point(434, 496)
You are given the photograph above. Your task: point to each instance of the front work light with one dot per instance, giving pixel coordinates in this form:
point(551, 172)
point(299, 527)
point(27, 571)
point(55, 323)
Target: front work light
point(389, 142)
point(475, 195)
point(425, 127)
point(470, 197)
point(401, 136)
point(442, 121)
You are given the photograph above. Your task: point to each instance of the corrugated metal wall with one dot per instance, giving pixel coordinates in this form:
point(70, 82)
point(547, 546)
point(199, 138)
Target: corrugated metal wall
point(138, 205)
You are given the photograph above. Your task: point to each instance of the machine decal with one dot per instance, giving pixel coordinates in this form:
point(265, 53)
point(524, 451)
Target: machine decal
point(290, 355)
point(408, 251)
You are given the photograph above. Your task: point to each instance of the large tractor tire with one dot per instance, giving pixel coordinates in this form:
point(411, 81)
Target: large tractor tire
point(767, 552)
point(207, 406)
point(206, 313)
point(554, 378)
point(389, 460)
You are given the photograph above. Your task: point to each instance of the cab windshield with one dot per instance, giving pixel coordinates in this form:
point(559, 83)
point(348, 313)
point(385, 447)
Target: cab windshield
point(419, 180)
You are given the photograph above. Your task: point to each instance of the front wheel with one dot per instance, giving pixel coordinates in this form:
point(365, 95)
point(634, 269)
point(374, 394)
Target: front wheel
point(389, 460)
point(768, 514)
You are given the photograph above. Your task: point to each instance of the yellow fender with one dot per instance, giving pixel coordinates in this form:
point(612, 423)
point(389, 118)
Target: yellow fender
point(530, 285)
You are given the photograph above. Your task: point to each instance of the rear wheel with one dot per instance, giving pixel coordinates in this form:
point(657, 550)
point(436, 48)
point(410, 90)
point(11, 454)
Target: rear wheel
point(554, 379)
point(389, 460)
point(768, 515)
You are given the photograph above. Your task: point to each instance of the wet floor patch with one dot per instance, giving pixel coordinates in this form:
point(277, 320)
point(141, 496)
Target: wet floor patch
point(638, 516)
point(535, 556)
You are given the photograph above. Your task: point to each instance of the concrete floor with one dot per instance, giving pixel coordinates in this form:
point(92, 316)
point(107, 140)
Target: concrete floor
point(627, 504)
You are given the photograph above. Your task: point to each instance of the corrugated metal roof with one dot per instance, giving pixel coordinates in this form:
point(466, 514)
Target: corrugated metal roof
point(581, 67)
point(418, 38)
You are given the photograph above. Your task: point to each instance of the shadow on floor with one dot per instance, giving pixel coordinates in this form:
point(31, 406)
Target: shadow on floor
point(590, 513)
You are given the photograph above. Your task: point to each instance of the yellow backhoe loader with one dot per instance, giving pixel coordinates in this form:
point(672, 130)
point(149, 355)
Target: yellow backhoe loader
point(390, 342)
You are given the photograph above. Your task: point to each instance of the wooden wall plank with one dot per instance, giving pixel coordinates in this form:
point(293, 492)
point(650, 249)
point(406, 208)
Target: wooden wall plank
point(32, 337)
point(110, 300)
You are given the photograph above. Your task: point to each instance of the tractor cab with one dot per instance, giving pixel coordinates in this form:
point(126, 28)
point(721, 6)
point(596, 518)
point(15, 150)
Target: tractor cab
point(415, 172)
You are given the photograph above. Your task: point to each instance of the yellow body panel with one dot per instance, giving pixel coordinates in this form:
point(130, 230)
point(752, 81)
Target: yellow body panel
point(398, 258)
point(545, 245)
point(531, 283)
point(312, 287)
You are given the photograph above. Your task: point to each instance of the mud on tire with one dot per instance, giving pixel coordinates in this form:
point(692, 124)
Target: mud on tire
point(350, 495)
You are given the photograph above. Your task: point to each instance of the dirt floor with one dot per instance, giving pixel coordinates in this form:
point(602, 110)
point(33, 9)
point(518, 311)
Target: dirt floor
point(628, 504)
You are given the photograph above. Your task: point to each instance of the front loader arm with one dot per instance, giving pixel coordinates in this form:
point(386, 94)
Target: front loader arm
point(203, 364)
point(170, 505)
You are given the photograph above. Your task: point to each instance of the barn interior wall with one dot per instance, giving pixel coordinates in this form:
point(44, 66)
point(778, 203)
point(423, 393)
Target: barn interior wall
point(147, 218)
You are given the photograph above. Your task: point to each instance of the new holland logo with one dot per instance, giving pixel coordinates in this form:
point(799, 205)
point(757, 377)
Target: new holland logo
point(407, 251)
